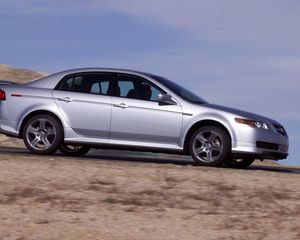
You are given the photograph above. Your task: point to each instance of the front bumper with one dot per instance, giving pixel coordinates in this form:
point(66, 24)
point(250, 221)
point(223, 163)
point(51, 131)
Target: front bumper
point(271, 155)
point(260, 144)
point(274, 155)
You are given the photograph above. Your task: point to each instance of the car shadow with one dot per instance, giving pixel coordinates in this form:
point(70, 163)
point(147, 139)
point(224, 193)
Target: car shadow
point(279, 168)
point(138, 157)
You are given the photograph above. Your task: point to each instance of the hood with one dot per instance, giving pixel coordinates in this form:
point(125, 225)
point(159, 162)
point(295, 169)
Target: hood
point(242, 113)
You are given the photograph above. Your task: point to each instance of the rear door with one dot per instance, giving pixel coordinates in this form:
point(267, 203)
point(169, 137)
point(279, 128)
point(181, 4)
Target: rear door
point(86, 103)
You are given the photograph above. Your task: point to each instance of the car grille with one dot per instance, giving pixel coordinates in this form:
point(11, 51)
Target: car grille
point(280, 130)
point(266, 145)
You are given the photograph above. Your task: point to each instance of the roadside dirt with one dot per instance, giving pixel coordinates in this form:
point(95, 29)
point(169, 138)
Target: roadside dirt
point(109, 196)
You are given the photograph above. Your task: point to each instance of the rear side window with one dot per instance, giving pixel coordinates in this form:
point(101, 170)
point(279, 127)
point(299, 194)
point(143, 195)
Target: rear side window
point(67, 85)
point(93, 83)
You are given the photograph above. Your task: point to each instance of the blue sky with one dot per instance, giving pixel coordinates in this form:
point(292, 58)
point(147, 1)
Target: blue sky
point(239, 53)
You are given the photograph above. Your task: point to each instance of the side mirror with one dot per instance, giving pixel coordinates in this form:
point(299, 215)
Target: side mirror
point(165, 99)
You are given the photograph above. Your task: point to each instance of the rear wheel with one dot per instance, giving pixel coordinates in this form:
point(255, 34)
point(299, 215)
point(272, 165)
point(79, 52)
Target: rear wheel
point(74, 150)
point(43, 134)
point(210, 146)
point(238, 163)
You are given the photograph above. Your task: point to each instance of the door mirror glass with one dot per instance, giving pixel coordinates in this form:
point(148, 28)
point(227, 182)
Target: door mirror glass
point(165, 99)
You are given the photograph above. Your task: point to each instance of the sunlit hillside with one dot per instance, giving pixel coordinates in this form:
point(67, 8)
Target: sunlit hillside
point(20, 75)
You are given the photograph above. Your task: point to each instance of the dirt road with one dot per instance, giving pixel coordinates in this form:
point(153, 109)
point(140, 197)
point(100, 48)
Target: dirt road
point(141, 197)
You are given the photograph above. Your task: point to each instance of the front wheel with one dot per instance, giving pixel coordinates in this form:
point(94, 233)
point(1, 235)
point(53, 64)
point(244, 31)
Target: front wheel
point(210, 146)
point(43, 134)
point(238, 163)
point(74, 150)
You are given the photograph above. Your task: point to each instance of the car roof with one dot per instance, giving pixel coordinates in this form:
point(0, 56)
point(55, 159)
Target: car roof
point(96, 69)
point(52, 80)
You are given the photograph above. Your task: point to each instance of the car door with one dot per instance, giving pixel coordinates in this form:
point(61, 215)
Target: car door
point(139, 119)
point(85, 101)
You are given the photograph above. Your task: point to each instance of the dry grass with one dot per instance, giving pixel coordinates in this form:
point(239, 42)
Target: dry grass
point(91, 198)
point(20, 75)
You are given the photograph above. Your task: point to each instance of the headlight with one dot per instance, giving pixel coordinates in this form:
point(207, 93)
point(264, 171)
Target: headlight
point(253, 123)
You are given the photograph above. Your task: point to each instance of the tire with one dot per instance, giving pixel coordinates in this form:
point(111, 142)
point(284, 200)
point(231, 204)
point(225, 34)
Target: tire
point(43, 134)
point(238, 163)
point(210, 146)
point(75, 151)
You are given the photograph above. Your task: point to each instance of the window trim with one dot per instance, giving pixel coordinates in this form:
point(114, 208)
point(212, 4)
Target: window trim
point(73, 75)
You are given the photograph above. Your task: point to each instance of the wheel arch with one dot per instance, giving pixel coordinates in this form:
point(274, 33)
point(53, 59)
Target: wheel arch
point(34, 113)
point(203, 123)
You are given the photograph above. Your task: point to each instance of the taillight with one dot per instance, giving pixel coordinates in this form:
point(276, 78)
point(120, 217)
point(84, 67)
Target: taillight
point(2, 95)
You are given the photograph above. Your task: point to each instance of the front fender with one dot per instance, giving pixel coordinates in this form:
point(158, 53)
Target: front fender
point(190, 121)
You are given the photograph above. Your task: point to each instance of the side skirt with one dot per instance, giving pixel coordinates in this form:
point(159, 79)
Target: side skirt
point(130, 148)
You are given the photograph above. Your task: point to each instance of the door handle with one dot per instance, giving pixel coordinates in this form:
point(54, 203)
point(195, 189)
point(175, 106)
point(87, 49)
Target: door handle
point(66, 99)
point(121, 105)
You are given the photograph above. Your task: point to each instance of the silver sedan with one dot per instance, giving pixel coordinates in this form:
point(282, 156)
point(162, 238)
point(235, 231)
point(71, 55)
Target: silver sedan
point(76, 110)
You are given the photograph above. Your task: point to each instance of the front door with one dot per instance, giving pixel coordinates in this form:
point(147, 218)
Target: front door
point(137, 117)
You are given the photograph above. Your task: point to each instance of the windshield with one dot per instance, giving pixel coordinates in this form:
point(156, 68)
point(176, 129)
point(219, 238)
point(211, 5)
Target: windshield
point(180, 91)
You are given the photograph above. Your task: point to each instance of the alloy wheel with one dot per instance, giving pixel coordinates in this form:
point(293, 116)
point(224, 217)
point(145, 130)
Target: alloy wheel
point(207, 145)
point(41, 134)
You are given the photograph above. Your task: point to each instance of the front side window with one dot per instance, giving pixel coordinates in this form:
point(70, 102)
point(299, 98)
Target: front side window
point(93, 83)
point(125, 87)
point(137, 88)
point(100, 87)
point(180, 91)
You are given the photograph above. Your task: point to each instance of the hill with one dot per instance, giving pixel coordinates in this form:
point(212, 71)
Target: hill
point(20, 75)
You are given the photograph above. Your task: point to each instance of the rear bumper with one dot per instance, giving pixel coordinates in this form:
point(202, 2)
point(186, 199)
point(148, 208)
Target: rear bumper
point(8, 128)
point(9, 134)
